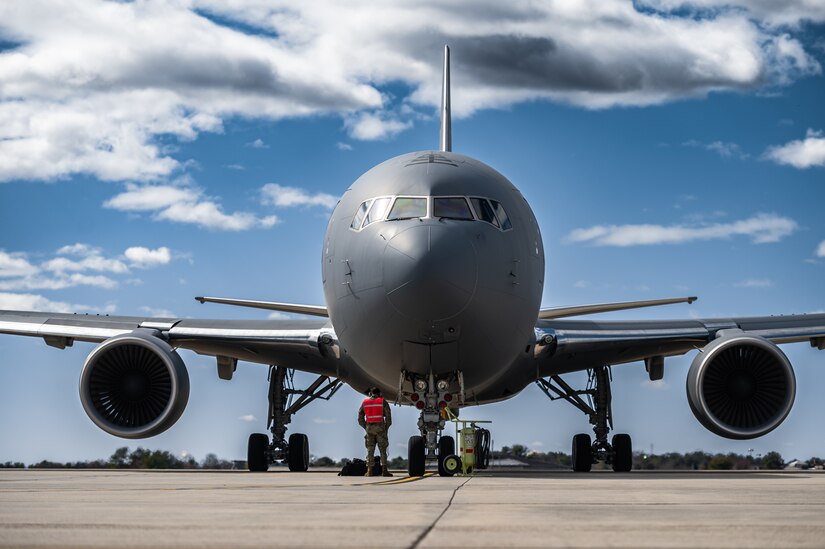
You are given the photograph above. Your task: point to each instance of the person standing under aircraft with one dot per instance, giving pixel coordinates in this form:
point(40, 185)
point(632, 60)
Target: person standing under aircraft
point(375, 417)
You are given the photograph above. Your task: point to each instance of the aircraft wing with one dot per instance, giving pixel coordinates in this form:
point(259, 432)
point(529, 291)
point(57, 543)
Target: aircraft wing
point(307, 345)
point(572, 345)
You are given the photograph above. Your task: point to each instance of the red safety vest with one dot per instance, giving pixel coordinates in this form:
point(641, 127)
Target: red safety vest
point(374, 410)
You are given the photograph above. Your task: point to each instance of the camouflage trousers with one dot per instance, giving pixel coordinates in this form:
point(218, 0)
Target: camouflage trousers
point(377, 434)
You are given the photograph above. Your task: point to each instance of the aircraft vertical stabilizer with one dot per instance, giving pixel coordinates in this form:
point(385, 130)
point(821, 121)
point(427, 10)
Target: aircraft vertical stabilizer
point(446, 123)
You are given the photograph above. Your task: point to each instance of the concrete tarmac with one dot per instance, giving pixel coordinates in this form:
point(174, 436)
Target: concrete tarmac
point(174, 509)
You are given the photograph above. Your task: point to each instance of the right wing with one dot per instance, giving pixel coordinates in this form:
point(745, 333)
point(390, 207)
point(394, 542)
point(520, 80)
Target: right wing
point(573, 345)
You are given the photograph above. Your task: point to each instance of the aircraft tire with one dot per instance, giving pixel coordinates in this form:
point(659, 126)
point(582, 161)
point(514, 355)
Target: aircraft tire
point(582, 453)
point(415, 456)
point(446, 448)
point(451, 465)
point(622, 453)
point(256, 459)
point(298, 459)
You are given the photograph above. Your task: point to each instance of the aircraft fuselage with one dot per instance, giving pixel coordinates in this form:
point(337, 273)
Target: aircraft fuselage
point(448, 279)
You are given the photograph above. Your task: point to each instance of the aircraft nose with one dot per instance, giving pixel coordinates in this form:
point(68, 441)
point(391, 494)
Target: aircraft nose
point(430, 271)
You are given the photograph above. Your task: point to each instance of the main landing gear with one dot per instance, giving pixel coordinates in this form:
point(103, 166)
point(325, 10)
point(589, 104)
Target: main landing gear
point(261, 452)
point(598, 407)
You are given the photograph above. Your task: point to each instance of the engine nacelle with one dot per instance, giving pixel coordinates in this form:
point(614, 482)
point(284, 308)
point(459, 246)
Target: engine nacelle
point(134, 386)
point(741, 386)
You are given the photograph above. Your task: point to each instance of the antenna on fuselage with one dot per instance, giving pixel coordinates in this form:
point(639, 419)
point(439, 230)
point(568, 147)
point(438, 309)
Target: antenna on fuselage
point(446, 123)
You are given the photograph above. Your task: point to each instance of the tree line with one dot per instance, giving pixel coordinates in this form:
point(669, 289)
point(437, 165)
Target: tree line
point(139, 458)
point(697, 460)
point(142, 458)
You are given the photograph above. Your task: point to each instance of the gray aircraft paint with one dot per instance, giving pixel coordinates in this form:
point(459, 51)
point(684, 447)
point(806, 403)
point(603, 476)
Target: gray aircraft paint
point(434, 295)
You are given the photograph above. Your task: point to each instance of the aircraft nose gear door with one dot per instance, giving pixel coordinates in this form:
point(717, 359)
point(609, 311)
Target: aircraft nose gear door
point(599, 408)
point(261, 452)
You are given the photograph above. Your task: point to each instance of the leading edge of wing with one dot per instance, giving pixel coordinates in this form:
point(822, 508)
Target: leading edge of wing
point(584, 335)
point(313, 310)
point(97, 328)
point(579, 310)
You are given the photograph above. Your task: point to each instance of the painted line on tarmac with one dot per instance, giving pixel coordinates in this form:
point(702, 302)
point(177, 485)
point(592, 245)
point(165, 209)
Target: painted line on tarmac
point(401, 480)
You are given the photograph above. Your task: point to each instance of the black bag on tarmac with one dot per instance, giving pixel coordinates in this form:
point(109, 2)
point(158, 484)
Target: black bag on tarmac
point(354, 468)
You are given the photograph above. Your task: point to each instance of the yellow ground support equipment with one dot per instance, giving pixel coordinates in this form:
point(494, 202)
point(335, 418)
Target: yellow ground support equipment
point(469, 436)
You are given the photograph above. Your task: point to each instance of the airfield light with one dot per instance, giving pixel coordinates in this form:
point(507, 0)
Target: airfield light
point(420, 404)
point(414, 397)
point(421, 385)
point(442, 385)
point(448, 397)
point(442, 404)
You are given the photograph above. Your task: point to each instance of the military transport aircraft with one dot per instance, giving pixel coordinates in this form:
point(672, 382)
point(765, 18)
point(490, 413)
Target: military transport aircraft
point(433, 269)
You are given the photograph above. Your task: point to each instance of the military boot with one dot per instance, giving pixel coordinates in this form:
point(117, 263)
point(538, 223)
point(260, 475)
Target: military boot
point(384, 471)
point(369, 469)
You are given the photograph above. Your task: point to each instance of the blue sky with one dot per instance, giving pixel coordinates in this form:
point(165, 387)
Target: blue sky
point(667, 149)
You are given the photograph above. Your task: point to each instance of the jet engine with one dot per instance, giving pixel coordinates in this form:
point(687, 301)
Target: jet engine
point(134, 385)
point(741, 386)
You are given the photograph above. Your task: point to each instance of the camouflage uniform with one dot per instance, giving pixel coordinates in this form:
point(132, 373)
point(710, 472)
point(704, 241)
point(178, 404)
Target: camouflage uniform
point(376, 433)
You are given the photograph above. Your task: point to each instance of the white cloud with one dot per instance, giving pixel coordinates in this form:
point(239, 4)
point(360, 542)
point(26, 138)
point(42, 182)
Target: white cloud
point(820, 251)
point(151, 197)
point(787, 12)
point(754, 283)
point(94, 86)
point(184, 204)
point(341, 146)
point(370, 126)
point(761, 229)
point(145, 257)
point(15, 264)
point(257, 144)
point(285, 197)
point(34, 302)
point(249, 418)
point(61, 272)
point(158, 313)
point(802, 154)
point(60, 281)
point(723, 149)
point(278, 315)
point(92, 262)
point(79, 248)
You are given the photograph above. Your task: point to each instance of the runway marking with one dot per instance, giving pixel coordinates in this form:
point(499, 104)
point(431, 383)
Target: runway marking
point(401, 480)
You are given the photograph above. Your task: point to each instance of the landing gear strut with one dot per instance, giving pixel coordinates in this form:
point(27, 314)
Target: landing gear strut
point(430, 396)
point(261, 452)
point(598, 408)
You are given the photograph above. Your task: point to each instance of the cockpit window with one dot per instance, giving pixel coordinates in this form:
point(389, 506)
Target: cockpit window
point(502, 216)
point(378, 210)
point(359, 215)
point(408, 208)
point(484, 211)
point(452, 208)
point(395, 208)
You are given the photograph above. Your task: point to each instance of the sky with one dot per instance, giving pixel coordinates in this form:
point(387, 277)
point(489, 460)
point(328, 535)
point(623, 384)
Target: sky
point(152, 151)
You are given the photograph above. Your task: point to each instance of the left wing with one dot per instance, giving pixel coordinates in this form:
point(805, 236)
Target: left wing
point(306, 345)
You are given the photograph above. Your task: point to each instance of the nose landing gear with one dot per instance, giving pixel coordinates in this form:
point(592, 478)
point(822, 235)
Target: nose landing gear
point(430, 396)
point(598, 407)
point(295, 450)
